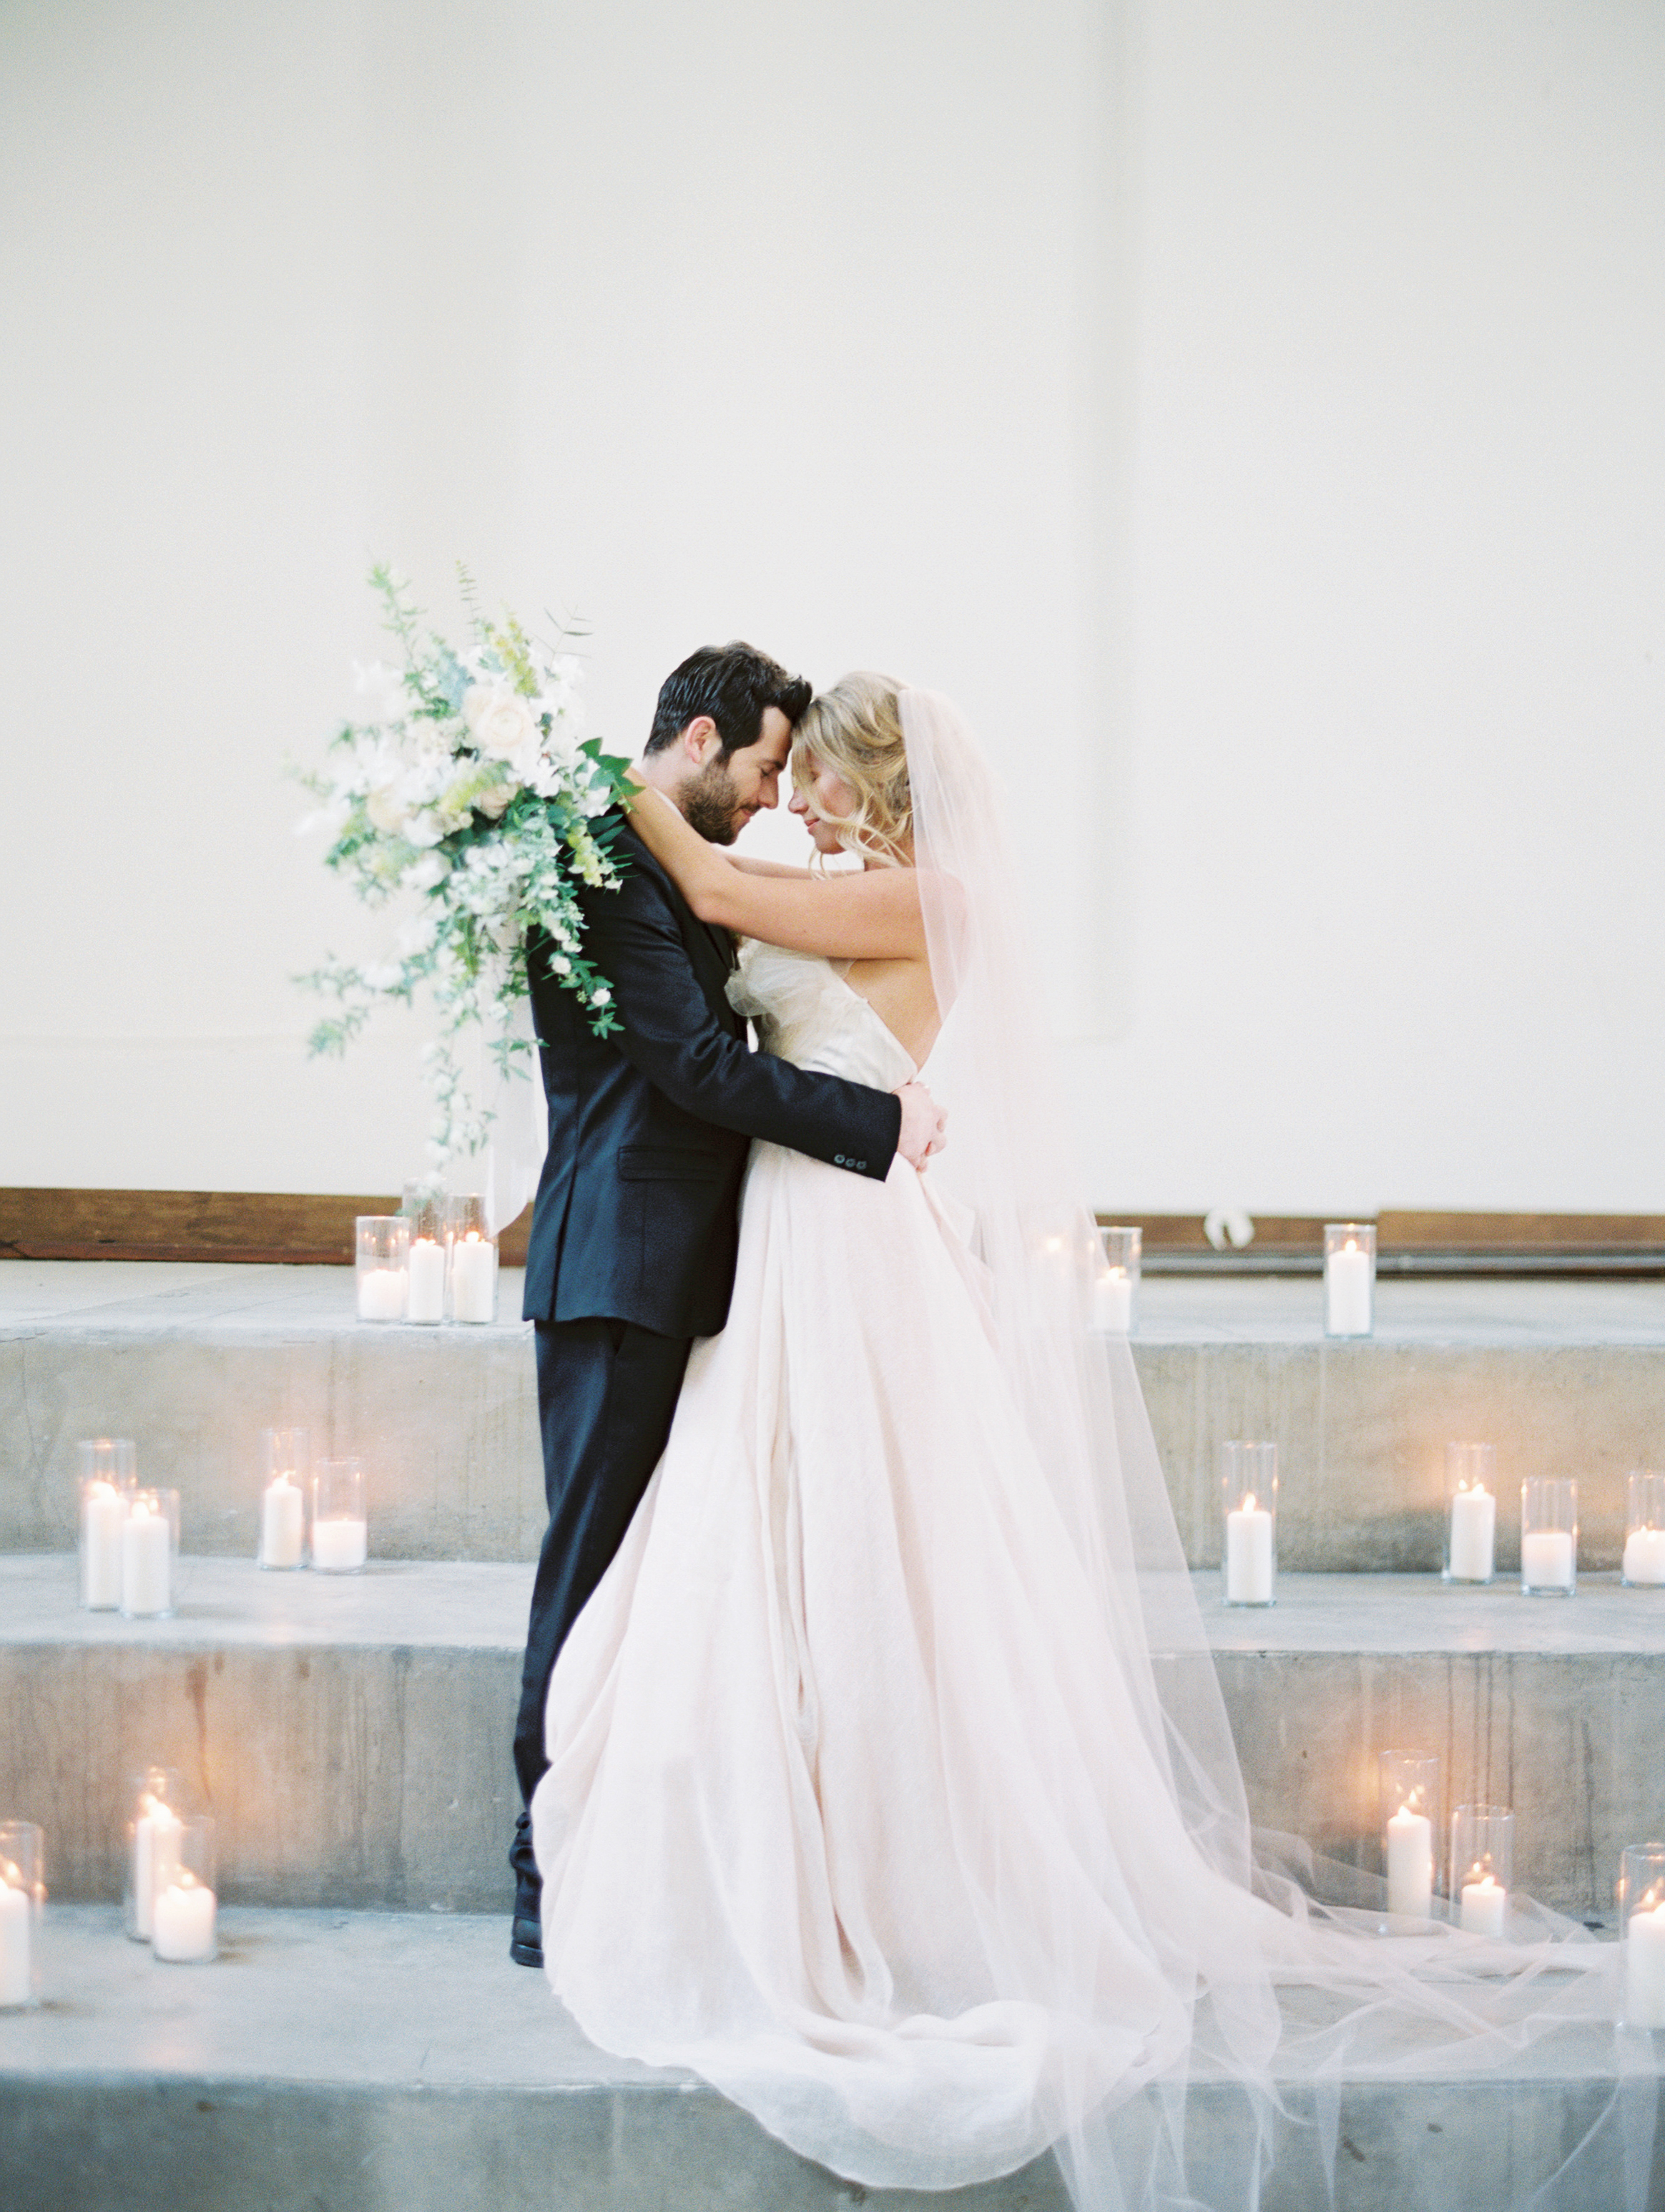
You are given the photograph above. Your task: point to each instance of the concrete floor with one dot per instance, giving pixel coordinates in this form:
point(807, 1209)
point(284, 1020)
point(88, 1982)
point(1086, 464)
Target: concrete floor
point(229, 1604)
point(481, 1606)
point(144, 1296)
point(387, 2062)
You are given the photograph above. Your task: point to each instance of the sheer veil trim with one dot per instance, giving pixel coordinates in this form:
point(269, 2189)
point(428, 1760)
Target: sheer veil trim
point(1254, 1924)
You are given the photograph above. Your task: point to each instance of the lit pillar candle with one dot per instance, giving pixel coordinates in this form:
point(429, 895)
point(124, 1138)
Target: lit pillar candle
point(426, 1300)
point(339, 1547)
point(104, 1513)
point(17, 1936)
point(1249, 1555)
point(1473, 1524)
point(183, 1920)
point(473, 1278)
point(1348, 1292)
point(381, 1294)
point(1410, 1863)
point(1113, 1302)
point(282, 1520)
point(1644, 1556)
point(156, 1858)
point(1484, 1905)
point(1644, 1967)
point(146, 1544)
point(1546, 1558)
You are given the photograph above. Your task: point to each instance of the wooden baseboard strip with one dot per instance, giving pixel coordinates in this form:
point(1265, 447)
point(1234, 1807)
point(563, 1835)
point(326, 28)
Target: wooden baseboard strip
point(305, 1229)
point(257, 1227)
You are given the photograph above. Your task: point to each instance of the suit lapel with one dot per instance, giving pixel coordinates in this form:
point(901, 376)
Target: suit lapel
point(711, 950)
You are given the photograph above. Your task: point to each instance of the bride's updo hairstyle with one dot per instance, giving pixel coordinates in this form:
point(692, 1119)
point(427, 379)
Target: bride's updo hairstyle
point(854, 728)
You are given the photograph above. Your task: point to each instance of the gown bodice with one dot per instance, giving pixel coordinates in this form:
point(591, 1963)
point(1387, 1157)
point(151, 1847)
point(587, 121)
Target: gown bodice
point(807, 1013)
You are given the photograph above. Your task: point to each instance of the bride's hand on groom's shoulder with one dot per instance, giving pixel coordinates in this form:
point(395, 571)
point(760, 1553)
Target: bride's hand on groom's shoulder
point(923, 1125)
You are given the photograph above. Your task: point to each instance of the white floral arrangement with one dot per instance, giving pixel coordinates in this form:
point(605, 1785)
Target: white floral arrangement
point(466, 785)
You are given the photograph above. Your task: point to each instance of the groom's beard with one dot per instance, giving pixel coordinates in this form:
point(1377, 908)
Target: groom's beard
point(711, 804)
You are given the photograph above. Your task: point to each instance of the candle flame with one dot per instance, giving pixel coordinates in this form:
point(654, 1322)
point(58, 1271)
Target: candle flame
point(143, 1508)
point(1352, 1245)
point(1654, 1898)
point(1248, 1502)
point(11, 1875)
point(1483, 1875)
point(184, 1879)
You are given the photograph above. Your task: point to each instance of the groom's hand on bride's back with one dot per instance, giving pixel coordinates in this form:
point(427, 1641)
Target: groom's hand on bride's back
point(923, 1124)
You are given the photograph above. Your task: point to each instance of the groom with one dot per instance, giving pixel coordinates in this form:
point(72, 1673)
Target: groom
point(635, 1224)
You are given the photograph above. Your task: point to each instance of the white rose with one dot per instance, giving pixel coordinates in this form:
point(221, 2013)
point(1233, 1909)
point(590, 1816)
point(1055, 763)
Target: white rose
point(499, 721)
point(423, 874)
point(496, 801)
point(387, 809)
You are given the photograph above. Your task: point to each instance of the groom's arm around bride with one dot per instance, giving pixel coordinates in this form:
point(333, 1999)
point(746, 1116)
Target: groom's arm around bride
point(632, 1249)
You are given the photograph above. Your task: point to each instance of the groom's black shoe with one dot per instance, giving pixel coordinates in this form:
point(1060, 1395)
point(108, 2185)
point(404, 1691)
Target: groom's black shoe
point(525, 1942)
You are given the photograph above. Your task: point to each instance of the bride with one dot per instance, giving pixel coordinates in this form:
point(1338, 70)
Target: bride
point(889, 1786)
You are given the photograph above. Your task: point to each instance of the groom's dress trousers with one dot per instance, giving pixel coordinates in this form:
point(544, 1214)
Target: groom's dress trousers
point(635, 1224)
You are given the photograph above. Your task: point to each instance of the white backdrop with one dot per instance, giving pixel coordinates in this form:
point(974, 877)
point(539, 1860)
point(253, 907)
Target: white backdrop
point(1250, 414)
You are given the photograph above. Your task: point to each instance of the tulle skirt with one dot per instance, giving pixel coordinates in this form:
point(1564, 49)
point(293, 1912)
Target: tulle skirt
point(855, 1805)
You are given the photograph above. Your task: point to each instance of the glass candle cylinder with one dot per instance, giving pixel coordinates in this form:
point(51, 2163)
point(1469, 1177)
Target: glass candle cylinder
point(1549, 1535)
point(473, 1261)
point(109, 1470)
point(1642, 1933)
point(159, 1803)
point(184, 1909)
point(340, 1525)
point(1349, 1278)
point(1482, 1867)
point(285, 1470)
point(1471, 1512)
point(1644, 1530)
point(22, 1892)
point(1115, 1286)
point(1410, 1823)
point(149, 1547)
point(383, 1252)
point(425, 1212)
point(1248, 1501)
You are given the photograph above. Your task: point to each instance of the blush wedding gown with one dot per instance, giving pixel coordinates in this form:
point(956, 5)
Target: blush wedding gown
point(890, 1787)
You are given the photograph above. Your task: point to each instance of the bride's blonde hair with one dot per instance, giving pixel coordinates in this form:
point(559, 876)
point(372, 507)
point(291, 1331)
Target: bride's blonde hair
point(854, 728)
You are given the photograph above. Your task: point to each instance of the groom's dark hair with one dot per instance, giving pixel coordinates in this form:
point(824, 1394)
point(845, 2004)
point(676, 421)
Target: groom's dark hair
point(733, 683)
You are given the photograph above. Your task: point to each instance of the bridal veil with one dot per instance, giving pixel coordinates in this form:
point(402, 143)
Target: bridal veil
point(1277, 1992)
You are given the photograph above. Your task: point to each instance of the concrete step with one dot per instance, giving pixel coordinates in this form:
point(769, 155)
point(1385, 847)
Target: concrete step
point(349, 1734)
point(397, 2063)
point(193, 1362)
point(352, 1736)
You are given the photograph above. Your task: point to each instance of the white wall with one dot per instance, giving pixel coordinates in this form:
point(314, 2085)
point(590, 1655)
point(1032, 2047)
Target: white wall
point(1249, 413)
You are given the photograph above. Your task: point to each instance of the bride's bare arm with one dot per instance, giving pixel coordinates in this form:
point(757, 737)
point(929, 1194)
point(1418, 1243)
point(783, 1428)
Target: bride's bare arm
point(748, 866)
point(874, 915)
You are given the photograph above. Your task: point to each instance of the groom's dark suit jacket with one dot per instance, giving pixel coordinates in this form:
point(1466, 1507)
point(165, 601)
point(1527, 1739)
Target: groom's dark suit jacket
point(636, 1213)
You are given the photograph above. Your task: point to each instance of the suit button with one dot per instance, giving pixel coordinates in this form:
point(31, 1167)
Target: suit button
point(838, 1159)
point(862, 1164)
